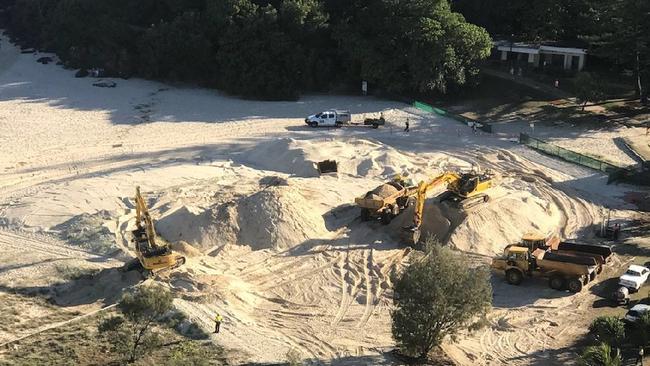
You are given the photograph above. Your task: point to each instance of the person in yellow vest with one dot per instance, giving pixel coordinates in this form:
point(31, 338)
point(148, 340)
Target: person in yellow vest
point(217, 322)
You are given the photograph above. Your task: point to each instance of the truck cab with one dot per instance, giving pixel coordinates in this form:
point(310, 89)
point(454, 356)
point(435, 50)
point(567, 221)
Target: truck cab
point(329, 118)
point(515, 262)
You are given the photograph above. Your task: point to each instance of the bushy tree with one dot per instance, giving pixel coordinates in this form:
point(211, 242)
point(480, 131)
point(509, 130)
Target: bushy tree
point(608, 329)
point(600, 355)
point(130, 333)
point(436, 296)
point(588, 89)
point(408, 45)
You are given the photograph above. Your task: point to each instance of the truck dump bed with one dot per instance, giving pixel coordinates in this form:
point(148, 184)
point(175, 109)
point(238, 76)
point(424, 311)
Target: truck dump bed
point(379, 197)
point(566, 264)
point(601, 250)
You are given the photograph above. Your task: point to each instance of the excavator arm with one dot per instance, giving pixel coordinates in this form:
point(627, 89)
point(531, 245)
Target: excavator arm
point(423, 188)
point(152, 256)
point(143, 219)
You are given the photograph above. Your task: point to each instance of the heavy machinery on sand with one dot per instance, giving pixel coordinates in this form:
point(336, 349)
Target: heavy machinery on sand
point(387, 200)
point(152, 255)
point(463, 190)
point(562, 271)
point(535, 240)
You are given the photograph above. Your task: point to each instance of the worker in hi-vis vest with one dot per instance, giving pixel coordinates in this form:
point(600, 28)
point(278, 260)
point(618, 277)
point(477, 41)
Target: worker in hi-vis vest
point(217, 322)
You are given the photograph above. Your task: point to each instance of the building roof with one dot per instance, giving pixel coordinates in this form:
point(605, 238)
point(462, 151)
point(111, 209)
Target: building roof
point(541, 47)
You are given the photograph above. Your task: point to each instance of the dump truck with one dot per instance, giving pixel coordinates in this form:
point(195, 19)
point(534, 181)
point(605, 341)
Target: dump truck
point(387, 200)
point(601, 253)
point(562, 271)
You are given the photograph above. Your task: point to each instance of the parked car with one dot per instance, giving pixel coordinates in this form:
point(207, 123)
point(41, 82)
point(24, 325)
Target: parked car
point(635, 313)
point(634, 277)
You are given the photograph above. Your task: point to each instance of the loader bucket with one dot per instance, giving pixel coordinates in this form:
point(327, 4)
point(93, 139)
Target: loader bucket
point(327, 166)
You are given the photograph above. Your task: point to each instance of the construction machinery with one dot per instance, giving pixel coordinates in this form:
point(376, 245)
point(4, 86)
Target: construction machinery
point(464, 190)
point(562, 271)
point(534, 240)
point(387, 201)
point(152, 255)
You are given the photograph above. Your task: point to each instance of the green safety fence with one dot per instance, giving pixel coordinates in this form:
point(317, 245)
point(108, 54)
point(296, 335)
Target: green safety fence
point(614, 172)
point(441, 112)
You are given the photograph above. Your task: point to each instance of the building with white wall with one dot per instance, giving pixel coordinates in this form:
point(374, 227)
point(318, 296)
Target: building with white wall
point(546, 55)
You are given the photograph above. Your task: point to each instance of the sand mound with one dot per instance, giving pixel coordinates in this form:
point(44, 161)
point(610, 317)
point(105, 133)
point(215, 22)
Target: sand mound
point(383, 191)
point(277, 217)
point(186, 249)
point(355, 157)
point(282, 155)
point(89, 231)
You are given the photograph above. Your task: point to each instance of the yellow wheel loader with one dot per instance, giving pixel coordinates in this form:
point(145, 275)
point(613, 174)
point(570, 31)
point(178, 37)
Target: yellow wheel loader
point(152, 255)
point(464, 190)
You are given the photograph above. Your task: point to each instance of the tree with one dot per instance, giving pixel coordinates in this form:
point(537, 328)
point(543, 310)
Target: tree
point(600, 355)
point(608, 329)
point(588, 89)
point(624, 38)
point(188, 354)
point(411, 46)
point(131, 332)
point(436, 296)
point(641, 329)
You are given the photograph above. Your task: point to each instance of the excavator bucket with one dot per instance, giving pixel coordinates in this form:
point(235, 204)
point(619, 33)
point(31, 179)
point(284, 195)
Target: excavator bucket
point(327, 166)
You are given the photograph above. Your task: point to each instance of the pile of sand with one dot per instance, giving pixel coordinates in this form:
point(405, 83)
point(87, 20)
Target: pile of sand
point(383, 191)
point(283, 155)
point(354, 156)
point(278, 217)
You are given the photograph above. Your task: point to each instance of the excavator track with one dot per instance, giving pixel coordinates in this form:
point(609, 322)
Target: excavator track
point(472, 202)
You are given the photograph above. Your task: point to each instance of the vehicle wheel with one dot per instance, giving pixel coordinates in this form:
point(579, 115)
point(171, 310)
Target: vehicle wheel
point(402, 202)
point(338, 124)
point(486, 198)
point(365, 214)
point(575, 285)
point(386, 216)
point(514, 277)
point(313, 124)
point(556, 283)
point(592, 276)
point(374, 125)
point(395, 210)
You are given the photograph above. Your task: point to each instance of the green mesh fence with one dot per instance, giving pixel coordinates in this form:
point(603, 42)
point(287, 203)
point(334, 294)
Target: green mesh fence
point(615, 172)
point(441, 112)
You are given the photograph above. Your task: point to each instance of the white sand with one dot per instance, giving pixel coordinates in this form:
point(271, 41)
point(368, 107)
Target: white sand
point(286, 259)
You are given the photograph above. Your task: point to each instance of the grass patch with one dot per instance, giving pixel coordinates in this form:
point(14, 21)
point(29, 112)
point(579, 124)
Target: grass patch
point(79, 343)
point(72, 273)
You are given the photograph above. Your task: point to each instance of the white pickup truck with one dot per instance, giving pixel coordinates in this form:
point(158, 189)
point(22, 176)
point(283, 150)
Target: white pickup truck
point(330, 118)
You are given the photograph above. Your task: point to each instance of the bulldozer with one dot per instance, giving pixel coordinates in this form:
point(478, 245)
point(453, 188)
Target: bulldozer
point(151, 255)
point(463, 190)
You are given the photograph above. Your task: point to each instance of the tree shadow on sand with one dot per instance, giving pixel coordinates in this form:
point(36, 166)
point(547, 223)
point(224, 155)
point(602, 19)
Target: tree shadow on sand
point(106, 287)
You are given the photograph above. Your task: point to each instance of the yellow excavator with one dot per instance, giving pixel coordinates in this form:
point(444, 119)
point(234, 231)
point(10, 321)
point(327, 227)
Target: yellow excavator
point(152, 255)
point(464, 190)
